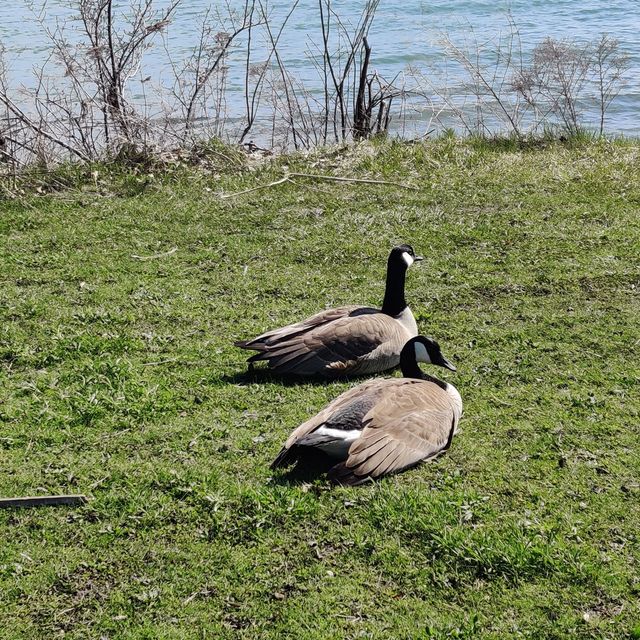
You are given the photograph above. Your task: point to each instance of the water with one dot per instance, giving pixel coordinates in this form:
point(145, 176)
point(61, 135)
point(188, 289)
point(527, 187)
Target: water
point(404, 35)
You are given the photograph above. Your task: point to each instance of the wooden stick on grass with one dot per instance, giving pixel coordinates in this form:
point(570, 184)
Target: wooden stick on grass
point(262, 186)
point(42, 501)
point(156, 255)
point(318, 176)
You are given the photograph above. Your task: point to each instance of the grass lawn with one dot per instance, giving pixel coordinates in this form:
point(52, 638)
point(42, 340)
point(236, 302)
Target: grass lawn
point(118, 379)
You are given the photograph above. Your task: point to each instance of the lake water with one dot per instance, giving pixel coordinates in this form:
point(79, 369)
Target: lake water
point(404, 34)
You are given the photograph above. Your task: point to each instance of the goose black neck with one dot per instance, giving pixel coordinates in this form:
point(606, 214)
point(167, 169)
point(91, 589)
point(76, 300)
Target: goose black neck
point(409, 366)
point(394, 303)
point(411, 369)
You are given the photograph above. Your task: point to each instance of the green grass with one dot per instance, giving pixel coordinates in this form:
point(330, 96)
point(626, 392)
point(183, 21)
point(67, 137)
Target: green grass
point(118, 379)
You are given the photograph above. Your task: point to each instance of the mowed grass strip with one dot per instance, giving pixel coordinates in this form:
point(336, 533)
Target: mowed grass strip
point(118, 379)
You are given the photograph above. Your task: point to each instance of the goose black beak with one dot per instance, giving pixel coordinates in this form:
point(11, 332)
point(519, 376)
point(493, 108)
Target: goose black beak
point(448, 365)
point(418, 258)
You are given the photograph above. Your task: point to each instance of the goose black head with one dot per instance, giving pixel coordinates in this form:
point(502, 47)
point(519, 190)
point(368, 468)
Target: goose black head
point(403, 255)
point(423, 349)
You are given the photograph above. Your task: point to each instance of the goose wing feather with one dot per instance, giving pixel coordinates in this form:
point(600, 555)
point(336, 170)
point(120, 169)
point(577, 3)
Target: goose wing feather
point(409, 425)
point(347, 411)
point(291, 330)
point(349, 344)
point(365, 393)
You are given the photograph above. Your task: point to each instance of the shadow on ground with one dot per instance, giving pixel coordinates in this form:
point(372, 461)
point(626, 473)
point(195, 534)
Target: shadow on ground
point(264, 376)
point(310, 466)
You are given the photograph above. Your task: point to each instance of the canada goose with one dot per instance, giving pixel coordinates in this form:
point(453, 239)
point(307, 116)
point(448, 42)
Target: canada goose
point(384, 425)
point(350, 340)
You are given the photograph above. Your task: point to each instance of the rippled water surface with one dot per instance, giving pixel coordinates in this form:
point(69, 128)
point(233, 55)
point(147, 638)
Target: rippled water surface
point(404, 34)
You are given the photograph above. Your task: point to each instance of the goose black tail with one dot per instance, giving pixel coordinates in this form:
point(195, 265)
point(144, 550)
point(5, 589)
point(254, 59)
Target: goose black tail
point(284, 458)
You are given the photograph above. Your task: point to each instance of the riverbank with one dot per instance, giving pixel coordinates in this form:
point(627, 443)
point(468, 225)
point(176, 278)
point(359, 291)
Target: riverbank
point(116, 78)
point(122, 293)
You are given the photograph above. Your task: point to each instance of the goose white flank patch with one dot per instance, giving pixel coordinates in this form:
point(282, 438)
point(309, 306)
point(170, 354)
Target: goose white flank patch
point(385, 425)
point(350, 340)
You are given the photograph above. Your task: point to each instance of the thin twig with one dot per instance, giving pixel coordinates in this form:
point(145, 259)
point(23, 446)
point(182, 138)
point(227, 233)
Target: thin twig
point(317, 176)
point(262, 186)
point(156, 255)
point(158, 362)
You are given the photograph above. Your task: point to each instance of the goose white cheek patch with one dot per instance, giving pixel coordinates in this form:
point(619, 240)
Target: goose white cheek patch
point(421, 353)
point(407, 258)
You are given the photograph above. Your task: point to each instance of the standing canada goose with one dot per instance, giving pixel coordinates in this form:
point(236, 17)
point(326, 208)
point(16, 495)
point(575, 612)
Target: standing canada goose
point(350, 340)
point(385, 425)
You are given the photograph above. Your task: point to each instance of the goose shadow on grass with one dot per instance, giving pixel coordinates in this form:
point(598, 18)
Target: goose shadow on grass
point(266, 376)
point(310, 466)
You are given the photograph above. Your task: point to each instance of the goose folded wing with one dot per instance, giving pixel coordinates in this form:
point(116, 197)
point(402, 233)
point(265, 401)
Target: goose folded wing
point(400, 432)
point(292, 330)
point(336, 347)
point(369, 390)
point(347, 404)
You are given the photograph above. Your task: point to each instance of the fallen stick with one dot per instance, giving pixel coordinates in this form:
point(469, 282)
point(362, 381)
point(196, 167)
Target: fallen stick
point(157, 362)
point(318, 176)
point(42, 501)
point(156, 255)
point(262, 186)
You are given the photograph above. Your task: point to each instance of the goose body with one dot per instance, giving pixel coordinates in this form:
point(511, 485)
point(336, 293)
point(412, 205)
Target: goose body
point(349, 340)
point(384, 425)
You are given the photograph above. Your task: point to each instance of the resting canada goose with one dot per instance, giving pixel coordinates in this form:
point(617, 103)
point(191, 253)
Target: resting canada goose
point(350, 340)
point(384, 425)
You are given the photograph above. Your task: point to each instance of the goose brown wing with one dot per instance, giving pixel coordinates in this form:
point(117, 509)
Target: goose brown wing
point(411, 424)
point(372, 389)
point(290, 331)
point(338, 347)
point(352, 406)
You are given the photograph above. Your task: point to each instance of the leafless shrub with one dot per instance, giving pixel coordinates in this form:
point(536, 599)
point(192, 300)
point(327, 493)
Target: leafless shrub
point(564, 77)
point(35, 135)
point(487, 66)
point(555, 80)
point(200, 81)
point(339, 62)
point(110, 57)
point(353, 101)
point(372, 108)
point(504, 91)
point(608, 65)
point(87, 111)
